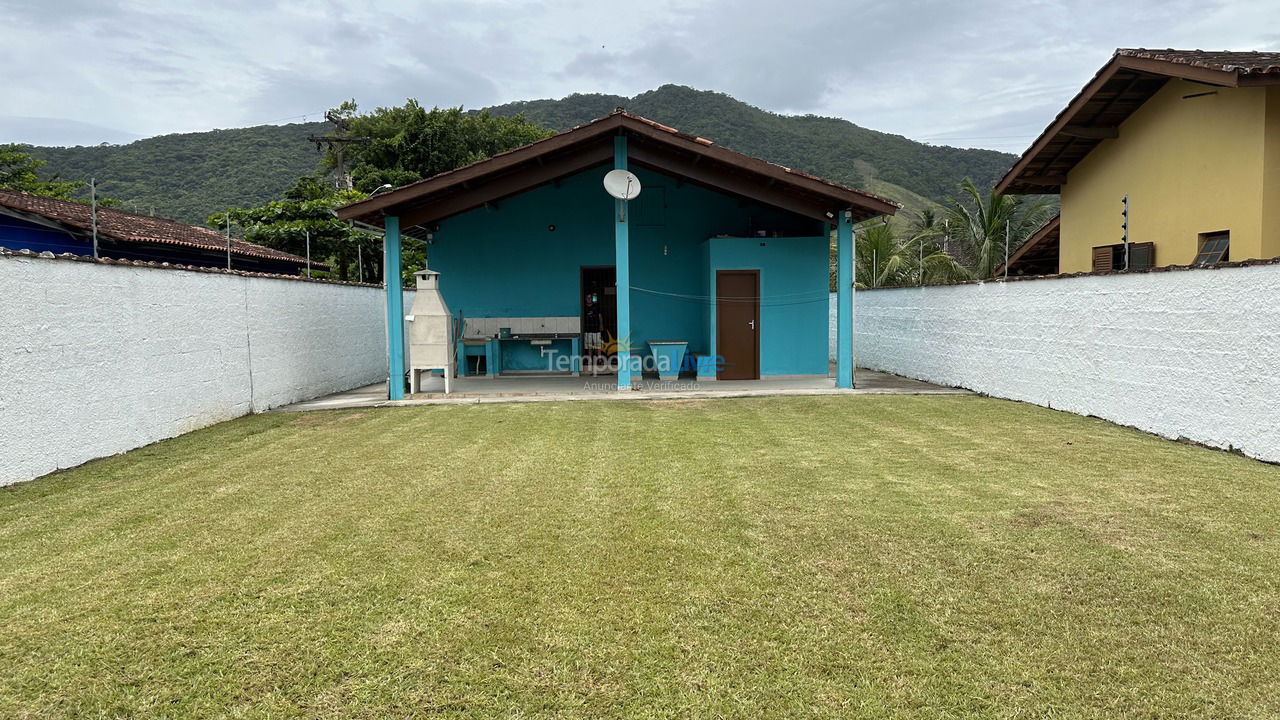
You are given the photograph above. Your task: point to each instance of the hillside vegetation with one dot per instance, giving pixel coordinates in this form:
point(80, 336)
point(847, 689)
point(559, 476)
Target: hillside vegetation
point(828, 147)
point(189, 176)
point(192, 175)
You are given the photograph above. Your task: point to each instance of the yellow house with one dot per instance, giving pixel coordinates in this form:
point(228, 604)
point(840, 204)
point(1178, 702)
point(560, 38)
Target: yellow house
point(1182, 145)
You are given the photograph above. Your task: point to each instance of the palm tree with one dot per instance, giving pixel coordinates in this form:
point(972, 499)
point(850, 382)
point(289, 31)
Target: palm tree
point(925, 223)
point(884, 259)
point(939, 268)
point(979, 222)
point(880, 260)
point(928, 236)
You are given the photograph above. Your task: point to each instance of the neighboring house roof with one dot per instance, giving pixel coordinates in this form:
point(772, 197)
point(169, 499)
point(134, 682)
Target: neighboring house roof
point(1126, 82)
point(651, 145)
point(1246, 62)
point(129, 227)
point(1039, 251)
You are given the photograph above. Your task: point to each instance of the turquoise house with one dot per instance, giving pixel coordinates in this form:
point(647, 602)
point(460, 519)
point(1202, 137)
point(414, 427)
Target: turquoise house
point(718, 269)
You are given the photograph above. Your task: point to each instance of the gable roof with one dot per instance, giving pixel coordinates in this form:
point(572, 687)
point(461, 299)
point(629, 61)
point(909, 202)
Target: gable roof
point(1127, 81)
point(130, 227)
point(651, 145)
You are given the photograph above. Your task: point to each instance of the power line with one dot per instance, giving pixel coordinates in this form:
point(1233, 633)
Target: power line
point(337, 144)
point(304, 116)
point(976, 137)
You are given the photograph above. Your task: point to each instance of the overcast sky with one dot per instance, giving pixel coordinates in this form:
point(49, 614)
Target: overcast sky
point(979, 73)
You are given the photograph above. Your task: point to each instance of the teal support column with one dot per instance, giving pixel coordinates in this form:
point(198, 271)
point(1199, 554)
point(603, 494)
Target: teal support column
point(395, 307)
point(844, 300)
point(492, 358)
point(622, 261)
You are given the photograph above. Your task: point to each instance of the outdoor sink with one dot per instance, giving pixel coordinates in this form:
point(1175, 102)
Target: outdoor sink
point(668, 357)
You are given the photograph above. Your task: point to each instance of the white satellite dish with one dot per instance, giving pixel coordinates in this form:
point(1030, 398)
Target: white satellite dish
point(621, 184)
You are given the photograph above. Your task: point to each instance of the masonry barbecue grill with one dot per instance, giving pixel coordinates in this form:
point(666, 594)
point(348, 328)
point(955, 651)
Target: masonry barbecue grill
point(430, 331)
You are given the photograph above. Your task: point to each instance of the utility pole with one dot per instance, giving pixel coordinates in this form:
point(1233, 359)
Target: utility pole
point(228, 239)
point(93, 202)
point(360, 259)
point(337, 143)
point(308, 253)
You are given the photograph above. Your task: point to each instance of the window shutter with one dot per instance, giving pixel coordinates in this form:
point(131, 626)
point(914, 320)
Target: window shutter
point(1102, 258)
point(1142, 256)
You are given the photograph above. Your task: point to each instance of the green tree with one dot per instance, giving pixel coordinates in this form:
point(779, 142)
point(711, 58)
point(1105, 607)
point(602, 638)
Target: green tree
point(187, 176)
point(927, 234)
point(883, 258)
point(925, 223)
point(20, 171)
point(880, 259)
point(978, 222)
point(408, 143)
point(306, 211)
point(401, 145)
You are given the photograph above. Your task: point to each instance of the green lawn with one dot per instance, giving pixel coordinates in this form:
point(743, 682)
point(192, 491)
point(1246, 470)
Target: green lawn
point(868, 556)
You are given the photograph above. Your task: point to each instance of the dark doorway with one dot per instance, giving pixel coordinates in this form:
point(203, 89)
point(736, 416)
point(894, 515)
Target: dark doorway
point(738, 323)
point(599, 302)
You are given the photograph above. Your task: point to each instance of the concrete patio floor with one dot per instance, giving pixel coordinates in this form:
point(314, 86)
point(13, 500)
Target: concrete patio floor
point(532, 388)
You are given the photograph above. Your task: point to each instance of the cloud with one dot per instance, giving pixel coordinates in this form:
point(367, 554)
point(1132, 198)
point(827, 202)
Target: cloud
point(59, 131)
point(661, 59)
point(982, 73)
point(431, 85)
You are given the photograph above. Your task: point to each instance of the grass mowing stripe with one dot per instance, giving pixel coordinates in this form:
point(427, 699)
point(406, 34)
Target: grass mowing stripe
point(766, 557)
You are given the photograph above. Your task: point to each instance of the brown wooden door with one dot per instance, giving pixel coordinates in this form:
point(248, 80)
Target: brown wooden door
point(738, 323)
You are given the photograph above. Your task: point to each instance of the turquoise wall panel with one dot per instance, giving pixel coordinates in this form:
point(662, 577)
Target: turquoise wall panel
point(793, 298)
point(505, 261)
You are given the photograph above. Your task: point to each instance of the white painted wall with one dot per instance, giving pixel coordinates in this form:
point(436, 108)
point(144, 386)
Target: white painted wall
point(1184, 354)
point(99, 359)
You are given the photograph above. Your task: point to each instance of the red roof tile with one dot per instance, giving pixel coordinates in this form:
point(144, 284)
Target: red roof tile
point(1240, 62)
point(71, 257)
point(133, 228)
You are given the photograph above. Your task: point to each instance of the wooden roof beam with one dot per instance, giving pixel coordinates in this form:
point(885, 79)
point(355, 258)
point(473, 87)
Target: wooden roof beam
point(868, 204)
point(1047, 180)
point(708, 176)
point(516, 181)
point(1037, 243)
point(377, 205)
point(1140, 77)
point(1091, 133)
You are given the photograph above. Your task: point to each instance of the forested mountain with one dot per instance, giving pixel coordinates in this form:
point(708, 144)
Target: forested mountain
point(189, 176)
point(828, 147)
point(192, 175)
